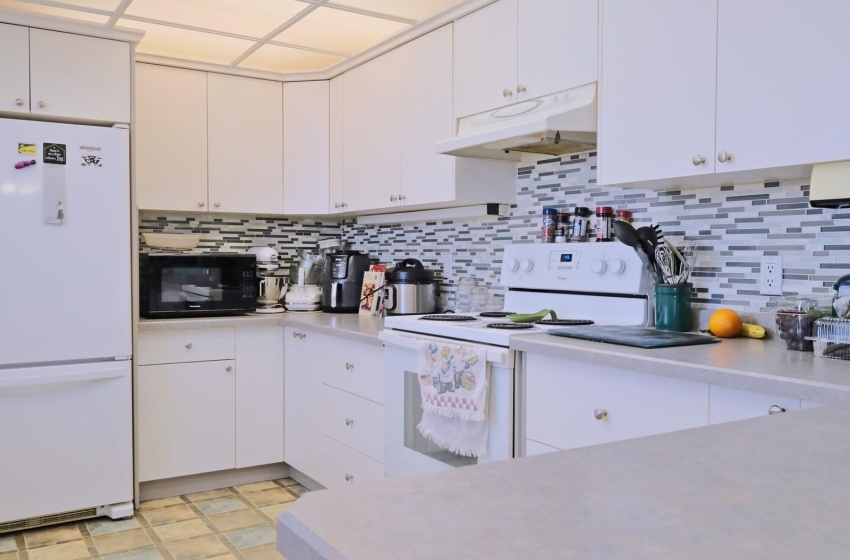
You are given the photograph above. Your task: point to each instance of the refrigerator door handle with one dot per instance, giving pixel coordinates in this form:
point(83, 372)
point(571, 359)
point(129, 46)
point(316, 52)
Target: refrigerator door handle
point(52, 375)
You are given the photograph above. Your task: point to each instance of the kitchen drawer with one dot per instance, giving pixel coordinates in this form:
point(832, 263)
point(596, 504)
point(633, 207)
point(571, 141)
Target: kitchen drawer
point(342, 466)
point(564, 398)
point(353, 421)
point(186, 345)
point(727, 404)
point(355, 367)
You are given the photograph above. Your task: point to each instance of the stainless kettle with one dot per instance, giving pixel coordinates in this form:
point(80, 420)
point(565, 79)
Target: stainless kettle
point(410, 289)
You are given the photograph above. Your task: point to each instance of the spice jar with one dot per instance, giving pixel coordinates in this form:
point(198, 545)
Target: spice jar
point(548, 231)
point(604, 223)
point(581, 221)
point(621, 216)
point(562, 227)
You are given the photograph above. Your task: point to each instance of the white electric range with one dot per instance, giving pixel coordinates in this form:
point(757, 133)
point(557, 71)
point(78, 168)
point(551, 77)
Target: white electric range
point(602, 283)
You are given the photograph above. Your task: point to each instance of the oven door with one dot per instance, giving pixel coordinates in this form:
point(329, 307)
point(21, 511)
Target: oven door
point(406, 451)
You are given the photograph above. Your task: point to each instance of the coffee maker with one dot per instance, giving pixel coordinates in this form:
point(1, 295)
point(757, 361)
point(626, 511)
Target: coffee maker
point(342, 280)
point(271, 287)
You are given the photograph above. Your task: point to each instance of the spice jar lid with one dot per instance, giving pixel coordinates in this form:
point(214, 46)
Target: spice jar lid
point(624, 213)
point(582, 211)
point(550, 211)
point(604, 211)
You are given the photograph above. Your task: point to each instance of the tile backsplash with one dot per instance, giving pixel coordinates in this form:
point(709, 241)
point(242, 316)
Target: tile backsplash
point(734, 224)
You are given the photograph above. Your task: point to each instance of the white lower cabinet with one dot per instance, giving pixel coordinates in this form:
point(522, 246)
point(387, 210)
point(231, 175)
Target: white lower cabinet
point(334, 414)
point(573, 404)
point(208, 400)
point(727, 404)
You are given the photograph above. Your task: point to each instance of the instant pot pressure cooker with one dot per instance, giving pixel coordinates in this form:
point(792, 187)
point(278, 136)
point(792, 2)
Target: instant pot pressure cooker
point(410, 289)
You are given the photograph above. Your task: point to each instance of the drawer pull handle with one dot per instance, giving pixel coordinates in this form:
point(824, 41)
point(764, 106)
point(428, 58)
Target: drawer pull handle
point(349, 366)
point(775, 409)
point(189, 345)
point(228, 369)
point(349, 421)
point(349, 477)
point(600, 413)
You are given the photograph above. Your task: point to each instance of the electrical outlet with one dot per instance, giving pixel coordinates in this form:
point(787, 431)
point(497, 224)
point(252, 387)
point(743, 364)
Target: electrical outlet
point(770, 280)
point(447, 260)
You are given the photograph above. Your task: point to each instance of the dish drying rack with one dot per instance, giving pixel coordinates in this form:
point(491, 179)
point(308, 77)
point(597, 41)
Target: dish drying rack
point(832, 338)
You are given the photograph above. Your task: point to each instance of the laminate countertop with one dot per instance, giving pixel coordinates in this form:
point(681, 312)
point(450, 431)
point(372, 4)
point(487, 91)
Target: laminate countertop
point(775, 487)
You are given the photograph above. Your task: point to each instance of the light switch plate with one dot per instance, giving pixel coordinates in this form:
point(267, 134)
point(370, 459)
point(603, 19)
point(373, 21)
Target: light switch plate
point(770, 279)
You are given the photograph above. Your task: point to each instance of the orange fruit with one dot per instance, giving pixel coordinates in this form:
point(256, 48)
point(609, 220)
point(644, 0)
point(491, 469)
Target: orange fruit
point(725, 323)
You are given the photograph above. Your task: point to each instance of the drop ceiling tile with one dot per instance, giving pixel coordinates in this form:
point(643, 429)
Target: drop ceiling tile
point(51, 11)
point(274, 58)
point(240, 17)
point(96, 4)
point(411, 9)
point(162, 40)
point(339, 31)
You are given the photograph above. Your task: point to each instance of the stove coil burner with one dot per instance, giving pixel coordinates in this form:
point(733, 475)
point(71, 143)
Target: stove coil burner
point(510, 326)
point(495, 314)
point(564, 322)
point(447, 317)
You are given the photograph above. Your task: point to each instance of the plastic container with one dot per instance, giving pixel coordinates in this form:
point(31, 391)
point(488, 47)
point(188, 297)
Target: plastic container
point(581, 222)
point(547, 231)
point(795, 320)
point(832, 338)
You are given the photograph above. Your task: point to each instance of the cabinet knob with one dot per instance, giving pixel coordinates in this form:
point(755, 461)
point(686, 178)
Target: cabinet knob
point(698, 160)
point(19, 102)
point(201, 203)
point(723, 157)
point(402, 197)
point(336, 204)
point(349, 477)
point(217, 204)
point(600, 413)
point(228, 369)
point(507, 93)
point(349, 421)
point(41, 104)
point(344, 205)
point(349, 366)
point(189, 345)
point(520, 88)
point(775, 409)
point(393, 198)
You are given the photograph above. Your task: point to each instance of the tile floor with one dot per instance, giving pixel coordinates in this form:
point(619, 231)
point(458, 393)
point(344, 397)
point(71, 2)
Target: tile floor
point(225, 524)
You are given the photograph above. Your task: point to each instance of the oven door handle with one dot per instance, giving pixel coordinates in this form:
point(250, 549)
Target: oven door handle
point(409, 341)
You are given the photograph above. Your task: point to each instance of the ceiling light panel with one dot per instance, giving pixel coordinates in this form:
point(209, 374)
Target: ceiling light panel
point(109, 5)
point(339, 31)
point(252, 18)
point(174, 42)
point(51, 11)
point(411, 9)
point(273, 58)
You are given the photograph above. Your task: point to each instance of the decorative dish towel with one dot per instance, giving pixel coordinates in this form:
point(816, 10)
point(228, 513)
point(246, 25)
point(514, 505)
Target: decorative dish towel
point(453, 384)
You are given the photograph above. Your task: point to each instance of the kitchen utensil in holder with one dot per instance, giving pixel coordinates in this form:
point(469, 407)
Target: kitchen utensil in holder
point(673, 307)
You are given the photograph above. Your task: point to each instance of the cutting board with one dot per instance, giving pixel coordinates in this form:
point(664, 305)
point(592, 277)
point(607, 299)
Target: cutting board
point(638, 337)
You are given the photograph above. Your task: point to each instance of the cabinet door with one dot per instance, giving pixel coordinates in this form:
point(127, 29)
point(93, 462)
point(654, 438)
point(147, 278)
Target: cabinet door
point(245, 150)
point(79, 77)
point(372, 134)
point(15, 69)
point(306, 136)
point(171, 138)
point(425, 106)
point(574, 404)
point(185, 419)
point(485, 59)
point(303, 361)
point(656, 97)
point(727, 404)
point(781, 93)
point(337, 145)
point(557, 44)
point(259, 396)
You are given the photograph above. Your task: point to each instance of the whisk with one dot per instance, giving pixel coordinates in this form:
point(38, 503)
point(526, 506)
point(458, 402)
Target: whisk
point(666, 261)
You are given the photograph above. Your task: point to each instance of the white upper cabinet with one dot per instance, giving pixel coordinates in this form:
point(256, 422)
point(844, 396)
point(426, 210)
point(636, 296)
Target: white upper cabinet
point(14, 67)
point(171, 138)
point(245, 149)
point(514, 50)
point(704, 91)
point(63, 75)
point(336, 144)
point(306, 143)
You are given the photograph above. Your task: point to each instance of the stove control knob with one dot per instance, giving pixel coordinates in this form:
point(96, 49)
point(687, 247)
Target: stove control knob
point(512, 264)
point(617, 266)
point(526, 265)
point(598, 266)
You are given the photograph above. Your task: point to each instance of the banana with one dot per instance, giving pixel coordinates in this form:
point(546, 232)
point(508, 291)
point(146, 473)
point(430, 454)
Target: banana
point(752, 331)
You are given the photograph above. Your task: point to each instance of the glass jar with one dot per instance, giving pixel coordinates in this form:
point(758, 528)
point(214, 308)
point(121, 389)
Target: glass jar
point(581, 222)
point(562, 227)
point(463, 295)
point(547, 234)
point(604, 223)
point(478, 300)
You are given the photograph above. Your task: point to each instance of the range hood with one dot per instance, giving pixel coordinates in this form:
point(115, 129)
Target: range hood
point(830, 185)
point(554, 125)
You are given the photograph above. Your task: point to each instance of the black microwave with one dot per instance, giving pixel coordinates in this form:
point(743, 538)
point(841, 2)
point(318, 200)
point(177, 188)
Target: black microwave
point(196, 285)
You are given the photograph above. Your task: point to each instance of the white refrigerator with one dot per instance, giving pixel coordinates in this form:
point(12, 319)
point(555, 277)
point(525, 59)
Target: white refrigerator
point(65, 323)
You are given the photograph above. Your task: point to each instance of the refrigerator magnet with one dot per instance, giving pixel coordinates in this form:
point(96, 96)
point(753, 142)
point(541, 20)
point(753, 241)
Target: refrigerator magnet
point(55, 153)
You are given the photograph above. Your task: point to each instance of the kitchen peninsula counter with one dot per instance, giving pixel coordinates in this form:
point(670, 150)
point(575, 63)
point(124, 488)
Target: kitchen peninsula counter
point(741, 363)
point(775, 487)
